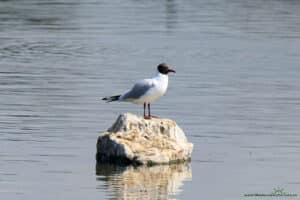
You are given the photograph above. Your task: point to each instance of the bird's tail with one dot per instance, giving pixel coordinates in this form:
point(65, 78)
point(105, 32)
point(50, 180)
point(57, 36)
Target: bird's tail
point(111, 98)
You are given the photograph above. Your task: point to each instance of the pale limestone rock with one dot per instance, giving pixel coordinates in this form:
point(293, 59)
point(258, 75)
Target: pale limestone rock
point(134, 140)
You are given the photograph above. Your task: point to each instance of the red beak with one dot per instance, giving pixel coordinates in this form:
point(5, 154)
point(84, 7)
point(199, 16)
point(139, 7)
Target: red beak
point(171, 70)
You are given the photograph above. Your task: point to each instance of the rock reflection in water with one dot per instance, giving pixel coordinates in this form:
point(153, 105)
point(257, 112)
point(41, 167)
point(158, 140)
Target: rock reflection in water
point(156, 182)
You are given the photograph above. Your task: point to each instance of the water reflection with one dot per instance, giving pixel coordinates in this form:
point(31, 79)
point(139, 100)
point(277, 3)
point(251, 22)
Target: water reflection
point(171, 14)
point(46, 14)
point(157, 182)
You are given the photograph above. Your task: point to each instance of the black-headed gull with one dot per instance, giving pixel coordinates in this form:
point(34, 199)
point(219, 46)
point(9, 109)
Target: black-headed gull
point(146, 91)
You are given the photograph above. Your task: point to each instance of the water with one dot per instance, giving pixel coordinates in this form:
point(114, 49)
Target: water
point(236, 94)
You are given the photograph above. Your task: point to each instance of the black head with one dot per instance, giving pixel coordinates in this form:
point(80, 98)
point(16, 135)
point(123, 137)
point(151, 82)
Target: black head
point(163, 68)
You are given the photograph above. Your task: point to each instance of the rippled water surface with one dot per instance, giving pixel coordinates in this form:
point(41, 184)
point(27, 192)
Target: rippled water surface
point(236, 94)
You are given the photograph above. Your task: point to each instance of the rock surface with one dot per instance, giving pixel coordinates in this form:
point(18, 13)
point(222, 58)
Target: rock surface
point(134, 140)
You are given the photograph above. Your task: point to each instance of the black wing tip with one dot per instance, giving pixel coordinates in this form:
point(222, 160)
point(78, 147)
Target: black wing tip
point(106, 99)
point(112, 98)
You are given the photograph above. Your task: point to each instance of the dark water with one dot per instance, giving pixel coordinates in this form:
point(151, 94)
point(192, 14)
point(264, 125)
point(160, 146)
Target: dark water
point(236, 94)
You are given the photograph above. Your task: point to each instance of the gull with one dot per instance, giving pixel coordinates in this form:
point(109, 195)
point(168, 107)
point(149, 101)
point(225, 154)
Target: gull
point(146, 91)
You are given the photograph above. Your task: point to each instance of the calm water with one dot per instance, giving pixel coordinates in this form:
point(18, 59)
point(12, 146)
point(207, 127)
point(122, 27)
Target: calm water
point(236, 94)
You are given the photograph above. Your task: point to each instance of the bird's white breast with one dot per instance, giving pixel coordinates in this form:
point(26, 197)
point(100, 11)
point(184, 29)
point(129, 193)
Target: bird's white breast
point(160, 85)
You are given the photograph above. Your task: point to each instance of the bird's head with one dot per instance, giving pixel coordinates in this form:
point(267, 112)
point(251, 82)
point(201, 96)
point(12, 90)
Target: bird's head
point(163, 68)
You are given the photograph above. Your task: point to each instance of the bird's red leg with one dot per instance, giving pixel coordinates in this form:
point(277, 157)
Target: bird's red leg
point(146, 117)
point(149, 114)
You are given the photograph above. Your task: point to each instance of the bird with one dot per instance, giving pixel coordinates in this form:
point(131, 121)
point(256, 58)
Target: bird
point(146, 91)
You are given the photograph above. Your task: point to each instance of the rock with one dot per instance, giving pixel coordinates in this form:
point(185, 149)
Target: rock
point(134, 140)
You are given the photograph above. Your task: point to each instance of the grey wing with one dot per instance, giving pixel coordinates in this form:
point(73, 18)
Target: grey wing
point(138, 90)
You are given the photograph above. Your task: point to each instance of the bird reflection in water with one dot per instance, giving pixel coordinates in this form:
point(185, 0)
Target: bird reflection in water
point(156, 182)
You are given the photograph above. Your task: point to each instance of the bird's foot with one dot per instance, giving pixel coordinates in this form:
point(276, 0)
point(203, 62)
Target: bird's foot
point(149, 117)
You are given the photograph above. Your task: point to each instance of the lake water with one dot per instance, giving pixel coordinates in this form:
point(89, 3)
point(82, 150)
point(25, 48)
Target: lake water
point(236, 94)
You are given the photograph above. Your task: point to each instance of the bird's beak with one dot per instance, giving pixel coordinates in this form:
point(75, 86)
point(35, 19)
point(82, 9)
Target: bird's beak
point(171, 70)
